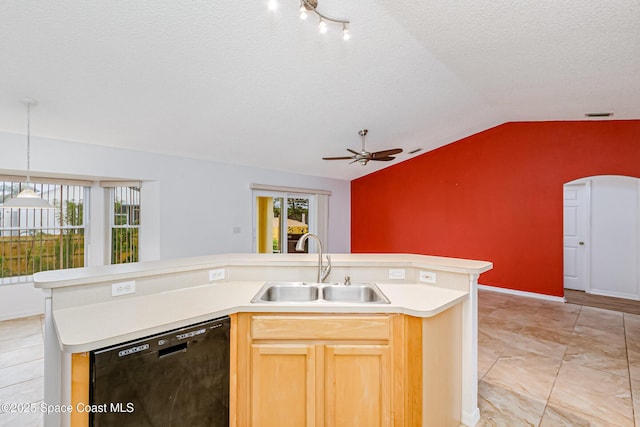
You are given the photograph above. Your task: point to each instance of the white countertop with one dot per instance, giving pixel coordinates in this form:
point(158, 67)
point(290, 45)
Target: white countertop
point(79, 276)
point(175, 293)
point(92, 326)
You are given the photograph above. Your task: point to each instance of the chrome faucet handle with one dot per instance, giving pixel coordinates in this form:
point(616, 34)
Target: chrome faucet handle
point(347, 280)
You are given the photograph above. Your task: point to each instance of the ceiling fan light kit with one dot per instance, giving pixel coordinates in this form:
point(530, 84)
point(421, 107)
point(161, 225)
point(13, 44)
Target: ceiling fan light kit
point(363, 156)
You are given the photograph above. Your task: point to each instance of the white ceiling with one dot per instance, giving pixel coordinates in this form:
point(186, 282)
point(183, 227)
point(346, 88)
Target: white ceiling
point(235, 82)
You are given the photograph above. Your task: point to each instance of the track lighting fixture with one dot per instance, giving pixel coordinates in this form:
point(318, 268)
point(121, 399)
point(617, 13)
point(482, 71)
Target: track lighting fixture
point(308, 7)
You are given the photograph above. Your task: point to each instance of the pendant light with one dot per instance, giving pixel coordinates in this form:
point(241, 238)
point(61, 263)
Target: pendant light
point(27, 197)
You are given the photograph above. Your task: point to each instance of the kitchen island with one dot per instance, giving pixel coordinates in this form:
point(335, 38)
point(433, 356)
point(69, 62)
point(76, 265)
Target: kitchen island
point(81, 313)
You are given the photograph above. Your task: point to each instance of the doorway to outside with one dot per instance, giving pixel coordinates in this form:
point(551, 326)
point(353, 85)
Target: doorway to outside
point(602, 236)
point(281, 219)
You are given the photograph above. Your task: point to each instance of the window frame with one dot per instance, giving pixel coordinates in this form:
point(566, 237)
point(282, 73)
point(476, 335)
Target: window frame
point(111, 223)
point(285, 196)
point(53, 218)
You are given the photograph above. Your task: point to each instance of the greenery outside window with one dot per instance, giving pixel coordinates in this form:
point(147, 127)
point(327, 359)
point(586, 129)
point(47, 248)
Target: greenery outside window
point(125, 223)
point(33, 240)
point(281, 220)
point(283, 214)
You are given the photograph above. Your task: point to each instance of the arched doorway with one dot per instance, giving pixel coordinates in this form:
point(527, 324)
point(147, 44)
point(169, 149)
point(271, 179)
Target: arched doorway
point(602, 236)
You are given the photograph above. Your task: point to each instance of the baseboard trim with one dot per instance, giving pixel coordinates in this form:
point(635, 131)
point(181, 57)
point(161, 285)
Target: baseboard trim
point(613, 294)
point(521, 293)
point(470, 419)
point(20, 315)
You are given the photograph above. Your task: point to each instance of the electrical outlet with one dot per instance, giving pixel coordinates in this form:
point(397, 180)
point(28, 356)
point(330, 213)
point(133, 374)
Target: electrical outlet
point(217, 274)
point(427, 276)
point(396, 273)
point(123, 288)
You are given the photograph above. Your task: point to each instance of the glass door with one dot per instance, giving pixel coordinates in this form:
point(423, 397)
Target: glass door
point(281, 219)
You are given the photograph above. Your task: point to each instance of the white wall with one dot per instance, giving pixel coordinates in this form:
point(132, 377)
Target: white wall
point(615, 236)
point(20, 300)
point(189, 206)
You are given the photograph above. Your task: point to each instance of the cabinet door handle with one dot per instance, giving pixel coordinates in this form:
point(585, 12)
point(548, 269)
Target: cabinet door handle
point(581, 243)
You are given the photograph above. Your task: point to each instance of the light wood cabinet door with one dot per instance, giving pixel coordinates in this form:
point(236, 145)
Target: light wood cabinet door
point(357, 385)
point(283, 385)
point(316, 370)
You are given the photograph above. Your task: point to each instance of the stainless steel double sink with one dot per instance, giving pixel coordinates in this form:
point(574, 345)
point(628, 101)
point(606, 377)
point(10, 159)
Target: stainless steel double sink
point(320, 292)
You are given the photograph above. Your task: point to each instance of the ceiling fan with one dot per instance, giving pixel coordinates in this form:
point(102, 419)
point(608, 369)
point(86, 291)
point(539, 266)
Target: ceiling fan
point(364, 156)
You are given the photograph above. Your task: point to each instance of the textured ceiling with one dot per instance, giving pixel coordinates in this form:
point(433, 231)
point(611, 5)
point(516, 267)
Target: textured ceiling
point(235, 82)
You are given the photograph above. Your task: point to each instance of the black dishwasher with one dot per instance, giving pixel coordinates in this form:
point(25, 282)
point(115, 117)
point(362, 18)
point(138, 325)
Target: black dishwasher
point(177, 378)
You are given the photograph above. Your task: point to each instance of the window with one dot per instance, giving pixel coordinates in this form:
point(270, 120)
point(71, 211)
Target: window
point(125, 223)
point(282, 217)
point(33, 240)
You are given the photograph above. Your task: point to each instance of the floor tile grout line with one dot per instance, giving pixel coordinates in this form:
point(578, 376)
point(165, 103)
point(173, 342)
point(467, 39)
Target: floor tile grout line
point(41, 360)
point(491, 367)
point(566, 348)
point(626, 350)
point(23, 363)
point(22, 382)
point(32, 348)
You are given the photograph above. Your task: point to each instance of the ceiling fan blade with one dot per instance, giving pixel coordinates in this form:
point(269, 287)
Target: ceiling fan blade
point(337, 158)
point(364, 156)
point(385, 153)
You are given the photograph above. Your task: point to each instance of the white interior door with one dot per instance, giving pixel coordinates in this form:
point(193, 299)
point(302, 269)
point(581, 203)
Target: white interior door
point(576, 211)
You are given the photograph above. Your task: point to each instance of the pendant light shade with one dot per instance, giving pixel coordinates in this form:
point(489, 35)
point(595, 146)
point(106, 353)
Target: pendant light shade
point(28, 198)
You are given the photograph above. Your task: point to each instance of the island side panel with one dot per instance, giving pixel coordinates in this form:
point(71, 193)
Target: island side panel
point(469, 341)
point(470, 411)
point(240, 385)
point(53, 365)
point(233, 371)
point(80, 389)
point(408, 364)
point(442, 366)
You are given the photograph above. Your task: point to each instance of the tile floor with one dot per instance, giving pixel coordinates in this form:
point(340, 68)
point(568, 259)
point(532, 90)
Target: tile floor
point(543, 363)
point(540, 363)
point(21, 368)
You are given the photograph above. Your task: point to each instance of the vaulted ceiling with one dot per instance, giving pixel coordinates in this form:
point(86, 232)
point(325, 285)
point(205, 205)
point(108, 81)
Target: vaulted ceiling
point(238, 83)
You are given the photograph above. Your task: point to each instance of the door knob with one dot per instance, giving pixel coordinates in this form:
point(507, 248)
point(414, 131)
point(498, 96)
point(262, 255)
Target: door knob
point(581, 243)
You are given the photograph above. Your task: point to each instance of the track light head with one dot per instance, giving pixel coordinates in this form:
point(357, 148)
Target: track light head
point(303, 12)
point(322, 26)
point(308, 7)
point(346, 35)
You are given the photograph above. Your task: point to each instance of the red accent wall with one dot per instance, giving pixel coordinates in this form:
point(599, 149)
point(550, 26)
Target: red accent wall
point(495, 196)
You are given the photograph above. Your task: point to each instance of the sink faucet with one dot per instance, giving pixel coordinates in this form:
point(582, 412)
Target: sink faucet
point(322, 272)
